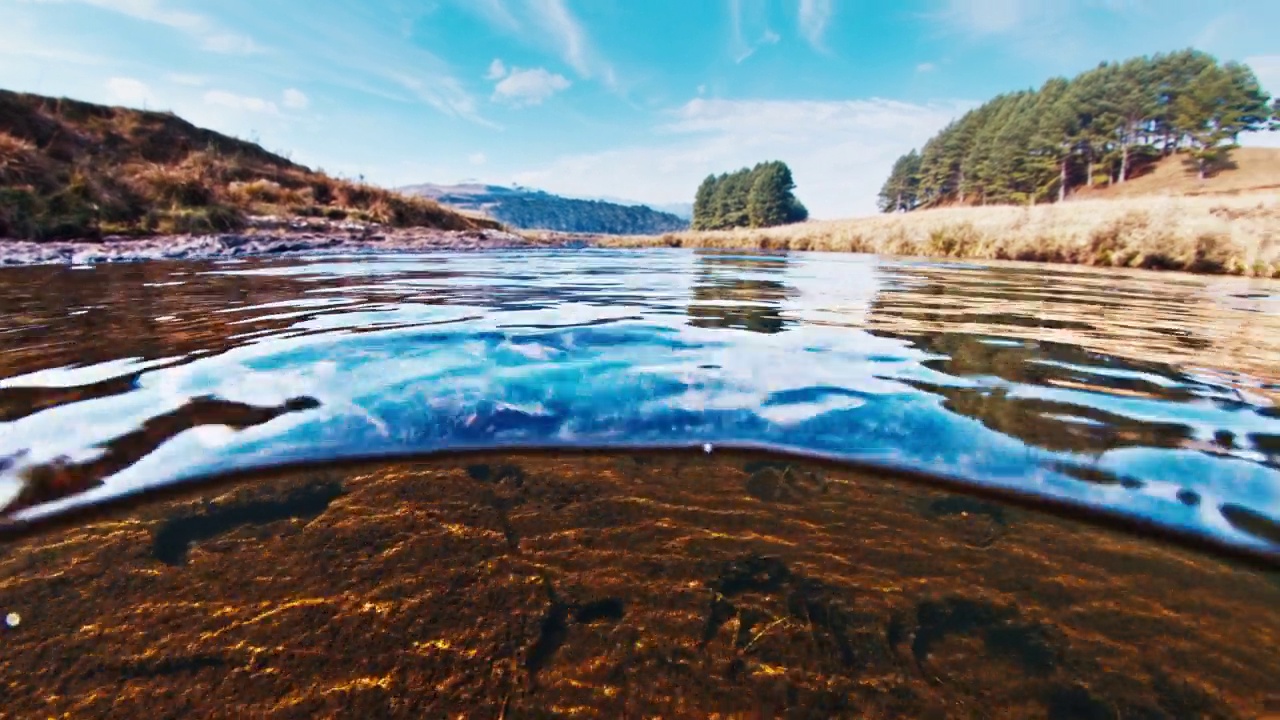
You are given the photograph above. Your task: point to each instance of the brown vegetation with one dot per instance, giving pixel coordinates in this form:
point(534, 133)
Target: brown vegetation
point(1237, 235)
point(1248, 169)
point(71, 169)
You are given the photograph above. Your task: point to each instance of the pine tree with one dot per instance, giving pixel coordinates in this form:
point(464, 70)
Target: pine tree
point(900, 191)
point(703, 209)
point(749, 197)
point(1058, 132)
point(1112, 119)
point(1219, 104)
point(769, 200)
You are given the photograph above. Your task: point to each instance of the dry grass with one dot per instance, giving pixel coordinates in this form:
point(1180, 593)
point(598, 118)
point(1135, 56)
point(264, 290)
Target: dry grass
point(72, 169)
point(1238, 235)
point(1250, 169)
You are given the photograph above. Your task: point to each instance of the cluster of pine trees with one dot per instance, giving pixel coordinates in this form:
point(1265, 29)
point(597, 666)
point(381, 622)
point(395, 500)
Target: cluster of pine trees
point(1101, 126)
point(751, 197)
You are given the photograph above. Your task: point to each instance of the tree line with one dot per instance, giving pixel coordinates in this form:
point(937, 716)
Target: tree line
point(544, 211)
point(1103, 125)
point(761, 196)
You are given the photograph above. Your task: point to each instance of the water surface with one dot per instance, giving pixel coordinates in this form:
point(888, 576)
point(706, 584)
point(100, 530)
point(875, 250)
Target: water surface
point(1151, 396)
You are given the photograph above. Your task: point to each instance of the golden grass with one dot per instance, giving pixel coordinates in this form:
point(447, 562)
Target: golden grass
point(1250, 169)
point(1237, 235)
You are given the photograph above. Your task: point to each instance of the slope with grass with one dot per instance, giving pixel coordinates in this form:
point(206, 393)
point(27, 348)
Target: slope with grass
point(76, 170)
point(1245, 170)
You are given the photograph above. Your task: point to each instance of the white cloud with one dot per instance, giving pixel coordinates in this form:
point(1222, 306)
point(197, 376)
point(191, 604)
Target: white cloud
point(222, 98)
point(496, 70)
point(131, 92)
point(295, 99)
point(702, 90)
point(839, 151)
point(925, 67)
point(814, 16)
point(477, 159)
point(528, 87)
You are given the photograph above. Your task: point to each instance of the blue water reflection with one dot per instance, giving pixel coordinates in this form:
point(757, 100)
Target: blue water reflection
point(1132, 392)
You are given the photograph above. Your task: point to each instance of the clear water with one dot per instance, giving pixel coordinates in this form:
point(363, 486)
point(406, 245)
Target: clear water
point(474, 563)
point(1151, 396)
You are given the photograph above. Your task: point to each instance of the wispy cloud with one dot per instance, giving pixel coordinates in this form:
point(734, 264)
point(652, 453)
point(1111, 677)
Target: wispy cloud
point(497, 70)
point(551, 25)
point(522, 87)
point(211, 35)
point(495, 12)
point(926, 67)
point(244, 103)
point(814, 16)
point(295, 99)
point(1267, 70)
point(988, 17)
point(1062, 34)
point(186, 79)
point(746, 18)
point(839, 161)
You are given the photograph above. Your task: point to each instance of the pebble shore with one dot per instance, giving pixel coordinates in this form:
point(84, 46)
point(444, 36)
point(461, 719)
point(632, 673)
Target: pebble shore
point(259, 242)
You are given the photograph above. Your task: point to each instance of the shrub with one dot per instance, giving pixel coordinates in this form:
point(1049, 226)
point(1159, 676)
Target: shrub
point(210, 219)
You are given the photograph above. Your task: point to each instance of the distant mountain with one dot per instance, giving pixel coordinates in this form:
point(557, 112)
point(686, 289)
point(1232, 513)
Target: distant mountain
point(538, 210)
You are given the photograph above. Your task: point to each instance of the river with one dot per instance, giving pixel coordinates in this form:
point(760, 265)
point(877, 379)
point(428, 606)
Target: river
point(637, 483)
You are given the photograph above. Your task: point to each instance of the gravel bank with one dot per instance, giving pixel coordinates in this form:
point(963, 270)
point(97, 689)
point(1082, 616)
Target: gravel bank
point(229, 245)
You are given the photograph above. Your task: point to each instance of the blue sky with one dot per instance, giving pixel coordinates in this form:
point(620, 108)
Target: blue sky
point(635, 99)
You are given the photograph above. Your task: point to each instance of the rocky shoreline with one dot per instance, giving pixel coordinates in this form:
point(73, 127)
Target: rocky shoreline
point(266, 238)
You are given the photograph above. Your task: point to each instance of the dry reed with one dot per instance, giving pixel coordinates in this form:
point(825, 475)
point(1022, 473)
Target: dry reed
point(1228, 234)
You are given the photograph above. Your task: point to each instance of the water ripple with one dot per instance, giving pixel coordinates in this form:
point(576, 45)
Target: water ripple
point(1130, 391)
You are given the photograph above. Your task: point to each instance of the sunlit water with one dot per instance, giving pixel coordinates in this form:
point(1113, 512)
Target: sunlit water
point(908, 568)
point(1150, 395)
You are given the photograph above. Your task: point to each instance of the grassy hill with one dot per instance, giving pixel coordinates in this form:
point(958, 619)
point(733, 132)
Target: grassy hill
point(538, 210)
point(71, 169)
point(1248, 169)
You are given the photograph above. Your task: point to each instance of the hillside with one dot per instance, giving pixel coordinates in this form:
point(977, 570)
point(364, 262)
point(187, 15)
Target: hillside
point(1248, 169)
point(1107, 125)
point(537, 210)
point(72, 169)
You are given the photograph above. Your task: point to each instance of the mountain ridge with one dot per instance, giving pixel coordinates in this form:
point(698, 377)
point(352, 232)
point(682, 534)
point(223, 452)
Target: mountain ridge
point(533, 209)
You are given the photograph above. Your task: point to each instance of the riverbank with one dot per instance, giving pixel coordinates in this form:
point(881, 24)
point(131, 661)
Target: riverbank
point(1233, 234)
point(267, 239)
